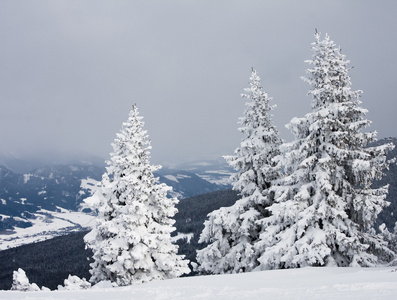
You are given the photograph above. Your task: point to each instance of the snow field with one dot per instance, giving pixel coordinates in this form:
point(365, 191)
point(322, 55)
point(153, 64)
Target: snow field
point(306, 283)
point(47, 225)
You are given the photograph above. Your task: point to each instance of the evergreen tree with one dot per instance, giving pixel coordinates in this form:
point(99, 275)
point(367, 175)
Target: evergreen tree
point(131, 240)
point(324, 206)
point(232, 231)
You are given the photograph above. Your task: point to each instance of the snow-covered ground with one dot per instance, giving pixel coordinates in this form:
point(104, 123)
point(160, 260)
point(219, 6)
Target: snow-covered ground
point(306, 283)
point(48, 224)
point(220, 177)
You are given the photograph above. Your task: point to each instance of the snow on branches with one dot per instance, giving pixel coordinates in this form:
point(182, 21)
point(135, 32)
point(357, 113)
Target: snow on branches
point(322, 208)
point(324, 205)
point(131, 240)
point(232, 231)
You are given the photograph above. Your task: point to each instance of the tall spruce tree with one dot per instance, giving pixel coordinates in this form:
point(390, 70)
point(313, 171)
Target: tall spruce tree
point(232, 231)
point(325, 206)
point(131, 238)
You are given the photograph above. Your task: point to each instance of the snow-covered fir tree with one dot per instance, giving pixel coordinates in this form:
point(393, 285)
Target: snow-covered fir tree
point(232, 231)
point(131, 238)
point(325, 206)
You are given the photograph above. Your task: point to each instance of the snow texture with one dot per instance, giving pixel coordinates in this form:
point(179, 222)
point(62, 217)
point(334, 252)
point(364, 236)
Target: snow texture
point(46, 225)
point(20, 282)
point(131, 238)
point(74, 283)
point(325, 206)
point(232, 231)
point(305, 283)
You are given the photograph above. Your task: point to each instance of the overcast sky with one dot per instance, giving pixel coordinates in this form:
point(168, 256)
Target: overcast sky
point(70, 70)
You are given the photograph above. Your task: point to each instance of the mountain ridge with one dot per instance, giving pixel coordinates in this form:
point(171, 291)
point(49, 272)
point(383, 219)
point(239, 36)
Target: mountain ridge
point(43, 194)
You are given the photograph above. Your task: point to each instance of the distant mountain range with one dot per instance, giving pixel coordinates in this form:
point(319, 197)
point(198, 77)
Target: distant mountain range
point(45, 201)
point(23, 164)
point(196, 178)
point(48, 188)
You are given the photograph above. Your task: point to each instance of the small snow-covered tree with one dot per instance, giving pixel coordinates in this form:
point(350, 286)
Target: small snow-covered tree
point(20, 282)
point(232, 231)
point(325, 206)
point(131, 239)
point(74, 282)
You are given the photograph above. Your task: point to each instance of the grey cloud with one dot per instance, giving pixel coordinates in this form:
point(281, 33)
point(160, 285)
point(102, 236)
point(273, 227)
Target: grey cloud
point(70, 70)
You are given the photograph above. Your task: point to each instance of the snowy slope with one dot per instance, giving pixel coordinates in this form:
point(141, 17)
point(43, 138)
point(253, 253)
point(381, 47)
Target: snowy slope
point(306, 283)
point(46, 225)
point(214, 171)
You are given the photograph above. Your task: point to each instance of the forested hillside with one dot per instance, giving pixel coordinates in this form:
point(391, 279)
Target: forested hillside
point(192, 213)
point(47, 263)
point(55, 186)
